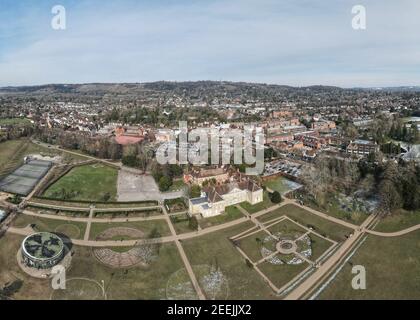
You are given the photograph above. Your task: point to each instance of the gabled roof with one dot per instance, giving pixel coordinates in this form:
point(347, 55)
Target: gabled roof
point(214, 194)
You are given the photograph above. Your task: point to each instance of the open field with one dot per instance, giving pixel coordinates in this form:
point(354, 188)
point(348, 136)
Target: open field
point(140, 282)
point(11, 155)
point(282, 185)
point(399, 220)
point(252, 245)
point(392, 270)
point(95, 182)
point(319, 246)
point(266, 203)
point(75, 230)
point(217, 249)
point(281, 274)
point(27, 288)
point(287, 227)
point(145, 226)
point(231, 213)
point(326, 228)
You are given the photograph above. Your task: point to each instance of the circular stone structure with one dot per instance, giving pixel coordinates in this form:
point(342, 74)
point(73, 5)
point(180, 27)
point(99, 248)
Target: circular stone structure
point(286, 246)
point(42, 250)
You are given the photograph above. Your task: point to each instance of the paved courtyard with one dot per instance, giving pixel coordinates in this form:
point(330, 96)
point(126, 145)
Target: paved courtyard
point(137, 187)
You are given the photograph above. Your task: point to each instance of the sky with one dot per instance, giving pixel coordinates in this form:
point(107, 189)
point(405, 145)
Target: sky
point(289, 42)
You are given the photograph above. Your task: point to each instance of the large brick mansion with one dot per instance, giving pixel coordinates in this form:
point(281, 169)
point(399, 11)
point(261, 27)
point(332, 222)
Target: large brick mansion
point(214, 200)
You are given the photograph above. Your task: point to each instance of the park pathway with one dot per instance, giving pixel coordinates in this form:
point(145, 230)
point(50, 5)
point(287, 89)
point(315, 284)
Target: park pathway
point(89, 223)
point(184, 258)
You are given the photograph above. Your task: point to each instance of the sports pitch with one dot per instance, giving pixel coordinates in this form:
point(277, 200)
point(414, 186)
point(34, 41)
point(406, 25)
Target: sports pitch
point(24, 179)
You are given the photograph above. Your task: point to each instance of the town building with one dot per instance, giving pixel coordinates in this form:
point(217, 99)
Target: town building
point(199, 176)
point(215, 199)
point(362, 147)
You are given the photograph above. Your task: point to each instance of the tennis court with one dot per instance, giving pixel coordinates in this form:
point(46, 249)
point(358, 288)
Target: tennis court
point(24, 179)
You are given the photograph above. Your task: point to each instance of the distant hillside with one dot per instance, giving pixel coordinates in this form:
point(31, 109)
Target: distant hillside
point(161, 86)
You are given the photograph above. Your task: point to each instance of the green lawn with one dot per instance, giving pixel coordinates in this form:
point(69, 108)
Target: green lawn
point(11, 155)
point(281, 274)
point(231, 213)
point(287, 227)
point(252, 245)
point(399, 220)
point(392, 270)
point(181, 223)
point(146, 226)
point(13, 121)
point(135, 283)
point(95, 182)
point(75, 230)
point(280, 184)
point(320, 225)
point(177, 185)
point(266, 203)
point(319, 246)
point(217, 249)
point(10, 272)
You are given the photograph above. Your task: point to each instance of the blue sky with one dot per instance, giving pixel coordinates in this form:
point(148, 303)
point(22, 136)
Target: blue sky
point(293, 42)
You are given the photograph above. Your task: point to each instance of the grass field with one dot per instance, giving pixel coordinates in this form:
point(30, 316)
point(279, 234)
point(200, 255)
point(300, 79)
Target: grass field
point(392, 270)
point(324, 227)
point(281, 184)
point(13, 121)
point(399, 220)
point(74, 230)
point(266, 203)
point(216, 248)
point(177, 185)
point(181, 223)
point(10, 273)
point(319, 246)
point(12, 153)
point(95, 182)
point(136, 283)
point(252, 245)
point(231, 213)
point(146, 226)
point(281, 274)
point(287, 227)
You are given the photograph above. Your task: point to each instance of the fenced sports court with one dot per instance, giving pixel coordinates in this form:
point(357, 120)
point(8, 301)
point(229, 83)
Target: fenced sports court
point(24, 179)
